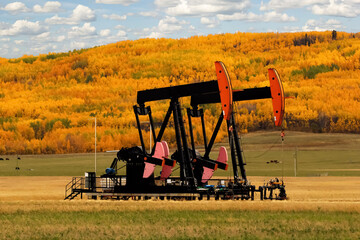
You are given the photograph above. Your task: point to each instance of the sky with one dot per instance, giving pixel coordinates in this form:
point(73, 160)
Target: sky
point(29, 27)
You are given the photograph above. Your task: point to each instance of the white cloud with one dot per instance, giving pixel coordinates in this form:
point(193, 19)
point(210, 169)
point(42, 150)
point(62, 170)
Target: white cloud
point(336, 8)
point(84, 31)
point(40, 49)
point(156, 35)
point(167, 25)
point(341, 8)
point(166, 3)
point(44, 42)
point(203, 8)
point(114, 17)
point(122, 2)
point(148, 14)
point(83, 13)
point(209, 22)
point(58, 20)
point(319, 25)
point(105, 32)
point(235, 16)
point(41, 37)
point(276, 17)
point(24, 27)
point(80, 14)
point(60, 38)
point(51, 6)
point(16, 7)
point(291, 29)
point(107, 37)
point(119, 27)
point(121, 33)
point(288, 4)
point(170, 24)
point(5, 39)
point(77, 45)
point(252, 17)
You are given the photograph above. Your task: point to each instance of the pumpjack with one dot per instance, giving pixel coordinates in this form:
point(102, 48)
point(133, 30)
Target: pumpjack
point(196, 170)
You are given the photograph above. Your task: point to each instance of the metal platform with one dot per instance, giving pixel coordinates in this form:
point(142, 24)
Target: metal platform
point(172, 189)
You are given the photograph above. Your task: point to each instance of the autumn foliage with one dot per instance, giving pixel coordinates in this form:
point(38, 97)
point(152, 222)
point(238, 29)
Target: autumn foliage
point(48, 102)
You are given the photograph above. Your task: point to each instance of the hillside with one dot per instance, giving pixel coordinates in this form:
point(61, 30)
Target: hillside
point(48, 102)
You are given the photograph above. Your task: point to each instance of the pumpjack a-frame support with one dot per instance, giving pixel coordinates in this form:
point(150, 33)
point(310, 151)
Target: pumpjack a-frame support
point(183, 155)
point(219, 91)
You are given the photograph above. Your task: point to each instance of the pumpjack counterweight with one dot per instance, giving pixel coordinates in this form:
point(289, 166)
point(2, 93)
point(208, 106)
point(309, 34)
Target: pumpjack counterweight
point(195, 178)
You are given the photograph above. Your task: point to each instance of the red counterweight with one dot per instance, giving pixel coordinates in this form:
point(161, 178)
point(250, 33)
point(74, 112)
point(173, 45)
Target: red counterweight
point(225, 89)
point(278, 97)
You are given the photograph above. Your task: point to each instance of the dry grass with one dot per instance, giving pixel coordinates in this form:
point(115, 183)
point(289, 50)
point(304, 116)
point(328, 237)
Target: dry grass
point(311, 193)
point(318, 208)
point(32, 188)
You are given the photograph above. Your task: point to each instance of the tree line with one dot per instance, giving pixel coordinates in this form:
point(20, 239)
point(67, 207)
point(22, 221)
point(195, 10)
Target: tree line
point(48, 102)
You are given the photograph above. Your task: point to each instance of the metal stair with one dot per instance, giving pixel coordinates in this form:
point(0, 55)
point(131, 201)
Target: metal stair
point(72, 195)
point(73, 188)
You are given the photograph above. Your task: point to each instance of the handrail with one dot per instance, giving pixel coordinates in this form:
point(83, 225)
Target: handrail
point(75, 183)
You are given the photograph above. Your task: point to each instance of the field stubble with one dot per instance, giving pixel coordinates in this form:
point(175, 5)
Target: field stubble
point(318, 208)
point(312, 193)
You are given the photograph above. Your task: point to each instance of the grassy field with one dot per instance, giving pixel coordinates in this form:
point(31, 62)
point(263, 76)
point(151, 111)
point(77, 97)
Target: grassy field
point(324, 203)
point(316, 154)
point(56, 165)
point(180, 224)
point(318, 208)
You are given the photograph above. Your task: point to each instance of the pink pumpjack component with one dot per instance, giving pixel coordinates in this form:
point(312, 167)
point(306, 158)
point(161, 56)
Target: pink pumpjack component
point(166, 148)
point(208, 172)
point(149, 167)
point(166, 170)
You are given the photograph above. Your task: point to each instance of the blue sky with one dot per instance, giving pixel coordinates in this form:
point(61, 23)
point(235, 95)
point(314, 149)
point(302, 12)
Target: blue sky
point(33, 27)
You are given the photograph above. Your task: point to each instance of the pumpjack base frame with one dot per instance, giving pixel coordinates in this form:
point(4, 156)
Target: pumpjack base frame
point(171, 190)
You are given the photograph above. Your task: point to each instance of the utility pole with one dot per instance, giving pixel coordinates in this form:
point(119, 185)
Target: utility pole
point(95, 146)
point(295, 161)
point(95, 143)
point(282, 134)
